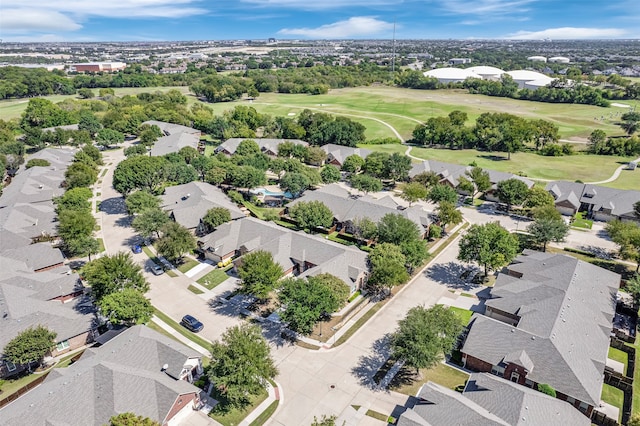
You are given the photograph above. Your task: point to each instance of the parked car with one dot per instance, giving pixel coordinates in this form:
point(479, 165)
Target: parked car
point(136, 249)
point(190, 323)
point(157, 269)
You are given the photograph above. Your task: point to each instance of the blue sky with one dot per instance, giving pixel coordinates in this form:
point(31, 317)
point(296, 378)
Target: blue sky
point(140, 20)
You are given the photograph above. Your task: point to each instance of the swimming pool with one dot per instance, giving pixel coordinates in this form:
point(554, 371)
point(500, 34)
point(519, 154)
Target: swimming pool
point(264, 191)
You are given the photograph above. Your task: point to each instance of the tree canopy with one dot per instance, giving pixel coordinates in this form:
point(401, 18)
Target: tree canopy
point(259, 273)
point(150, 221)
point(176, 240)
point(112, 273)
point(215, 217)
point(512, 192)
point(489, 245)
point(130, 419)
point(388, 266)
point(311, 214)
point(545, 230)
point(127, 307)
point(30, 346)
point(140, 201)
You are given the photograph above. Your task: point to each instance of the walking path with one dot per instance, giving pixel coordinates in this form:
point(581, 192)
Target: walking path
point(615, 174)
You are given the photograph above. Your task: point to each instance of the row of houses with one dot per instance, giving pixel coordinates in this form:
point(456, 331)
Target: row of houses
point(599, 202)
point(36, 287)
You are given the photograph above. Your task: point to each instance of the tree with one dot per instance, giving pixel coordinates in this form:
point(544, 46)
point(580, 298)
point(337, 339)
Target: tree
point(305, 302)
point(414, 191)
point(74, 199)
point(215, 217)
point(635, 420)
point(512, 192)
point(85, 93)
point(130, 419)
point(397, 167)
point(375, 164)
point(246, 177)
point(247, 147)
point(74, 223)
point(150, 221)
point(176, 240)
point(259, 273)
point(109, 274)
point(627, 236)
point(127, 307)
point(314, 155)
point(140, 201)
point(108, 137)
point(364, 229)
point(424, 336)
point(89, 122)
point(387, 266)
point(546, 212)
point(448, 214)
point(311, 214)
point(140, 172)
point(440, 192)
point(466, 186)
point(428, 179)
point(365, 183)
point(241, 365)
point(633, 287)
point(538, 197)
point(415, 252)
point(489, 245)
point(37, 162)
point(544, 231)
point(395, 229)
point(294, 183)
point(353, 164)
point(82, 245)
point(597, 141)
point(546, 389)
point(330, 174)
point(30, 346)
point(80, 174)
point(630, 122)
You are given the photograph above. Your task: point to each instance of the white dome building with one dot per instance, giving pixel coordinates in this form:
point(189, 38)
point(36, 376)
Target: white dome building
point(487, 72)
point(559, 59)
point(451, 75)
point(530, 79)
point(537, 58)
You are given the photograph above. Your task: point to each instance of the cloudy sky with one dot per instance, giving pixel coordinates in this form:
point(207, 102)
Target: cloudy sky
point(138, 20)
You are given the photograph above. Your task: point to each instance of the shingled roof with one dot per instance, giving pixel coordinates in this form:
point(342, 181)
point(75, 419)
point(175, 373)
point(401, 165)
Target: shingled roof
point(339, 153)
point(565, 309)
point(266, 145)
point(124, 375)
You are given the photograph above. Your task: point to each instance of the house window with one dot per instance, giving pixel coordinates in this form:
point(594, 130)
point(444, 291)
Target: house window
point(528, 383)
point(62, 345)
point(10, 366)
point(583, 407)
point(571, 400)
point(515, 377)
point(497, 370)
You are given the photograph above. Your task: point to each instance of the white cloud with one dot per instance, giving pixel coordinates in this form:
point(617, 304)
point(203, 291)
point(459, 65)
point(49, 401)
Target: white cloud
point(485, 7)
point(67, 15)
point(18, 20)
point(322, 4)
point(356, 26)
point(569, 33)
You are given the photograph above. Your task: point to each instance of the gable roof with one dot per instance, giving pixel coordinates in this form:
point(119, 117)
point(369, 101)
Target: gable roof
point(266, 145)
point(565, 191)
point(346, 206)
point(174, 143)
point(105, 381)
point(617, 202)
point(190, 202)
point(287, 248)
point(565, 309)
point(172, 128)
point(339, 153)
point(452, 173)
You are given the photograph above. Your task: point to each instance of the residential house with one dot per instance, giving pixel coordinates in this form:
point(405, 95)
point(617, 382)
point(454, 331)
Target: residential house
point(600, 202)
point(348, 207)
point(139, 371)
point(548, 320)
point(496, 177)
point(336, 154)
point(488, 400)
point(175, 138)
point(188, 204)
point(298, 253)
point(267, 146)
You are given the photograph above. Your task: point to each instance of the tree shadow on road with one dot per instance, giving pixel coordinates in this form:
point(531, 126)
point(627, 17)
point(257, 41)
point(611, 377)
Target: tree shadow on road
point(114, 205)
point(368, 365)
point(453, 274)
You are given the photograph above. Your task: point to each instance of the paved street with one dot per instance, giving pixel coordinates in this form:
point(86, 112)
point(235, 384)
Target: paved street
point(313, 382)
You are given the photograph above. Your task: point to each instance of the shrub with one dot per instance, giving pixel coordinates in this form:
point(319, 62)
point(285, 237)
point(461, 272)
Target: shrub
point(37, 162)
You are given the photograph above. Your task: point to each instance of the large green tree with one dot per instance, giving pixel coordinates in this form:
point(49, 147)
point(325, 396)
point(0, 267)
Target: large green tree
point(176, 240)
point(365, 183)
point(259, 273)
point(215, 217)
point(396, 229)
point(480, 179)
point(424, 336)
point(131, 419)
point(112, 273)
point(330, 174)
point(150, 221)
point(294, 183)
point(140, 172)
point(545, 230)
point(512, 192)
point(414, 191)
point(82, 245)
point(241, 365)
point(140, 201)
point(627, 236)
point(74, 223)
point(448, 214)
point(353, 164)
point(30, 346)
point(441, 192)
point(108, 137)
point(388, 266)
point(489, 245)
point(127, 307)
point(311, 214)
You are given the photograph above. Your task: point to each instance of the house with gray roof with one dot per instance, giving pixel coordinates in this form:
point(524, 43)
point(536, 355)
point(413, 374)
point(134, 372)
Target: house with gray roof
point(600, 202)
point(139, 371)
point(175, 138)
point(336, 154)
point(298, 253)
point(171, 128)
point(267, 146)
point(548, 320)
point(488, 400)
point(348, 207)
point(188, 204)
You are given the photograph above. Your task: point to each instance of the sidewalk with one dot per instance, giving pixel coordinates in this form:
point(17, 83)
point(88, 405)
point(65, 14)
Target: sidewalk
point(180, 337)
point(275, 394)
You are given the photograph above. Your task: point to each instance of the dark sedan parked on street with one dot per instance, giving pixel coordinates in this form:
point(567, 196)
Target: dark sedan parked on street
point(191, 323)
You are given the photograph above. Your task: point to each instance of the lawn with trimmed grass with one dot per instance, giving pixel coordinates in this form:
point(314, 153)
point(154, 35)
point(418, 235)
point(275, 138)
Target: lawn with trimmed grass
point(214, 278)
point(180, 329)
point(233, 417)
point(194, 289)
point(580, 221)
point(618, 355)
point(405, 382)
point(613, 396)
point(187, 265)
point(266, 414)
point(100, 245)
point(464, 314)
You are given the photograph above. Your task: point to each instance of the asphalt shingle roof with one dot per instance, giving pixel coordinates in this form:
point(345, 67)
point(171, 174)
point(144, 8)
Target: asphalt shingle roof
point(339, 153)
point(265, 144)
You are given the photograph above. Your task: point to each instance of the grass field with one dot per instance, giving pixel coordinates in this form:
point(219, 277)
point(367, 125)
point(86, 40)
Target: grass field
point(441, 374)
point(613, 396)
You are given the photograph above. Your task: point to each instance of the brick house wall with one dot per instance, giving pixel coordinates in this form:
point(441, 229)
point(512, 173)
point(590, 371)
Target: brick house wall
point(74, 343)
point(476, 364)
point(520, 371)
point(48, 268)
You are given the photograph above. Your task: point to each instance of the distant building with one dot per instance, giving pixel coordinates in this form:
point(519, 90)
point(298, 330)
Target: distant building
point(459, 61)
point(48, 67)
point(537, 59)
point(451, 75)
point(99, 67)
point(559, 59)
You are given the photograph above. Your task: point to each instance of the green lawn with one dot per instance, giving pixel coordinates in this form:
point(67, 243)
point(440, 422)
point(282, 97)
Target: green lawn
point(180, 329)
point(187, 265)
point(580, 221)
point(635, 408)
point(194, 289)
point(629, 179)
point(613, 396)
point(620, 356)
point(442, 374)
point(235, 416)
point(464, 314)
point(100, 245)
point(266, 414)
point(214, 278)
